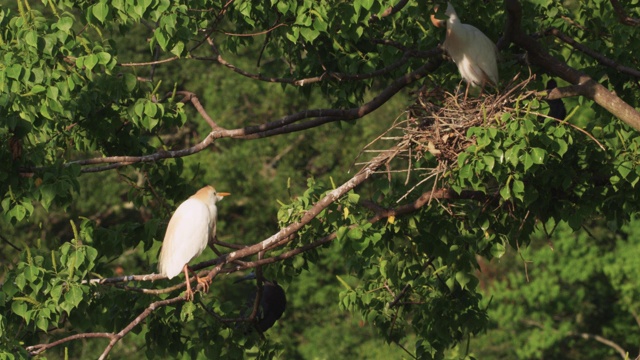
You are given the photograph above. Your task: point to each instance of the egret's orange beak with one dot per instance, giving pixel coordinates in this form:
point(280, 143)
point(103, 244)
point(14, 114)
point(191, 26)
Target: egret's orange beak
point(436, 22)
point(223, 194)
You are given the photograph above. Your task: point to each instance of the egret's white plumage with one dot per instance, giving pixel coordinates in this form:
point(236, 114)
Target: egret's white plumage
point(472, 51)
point(190, 228)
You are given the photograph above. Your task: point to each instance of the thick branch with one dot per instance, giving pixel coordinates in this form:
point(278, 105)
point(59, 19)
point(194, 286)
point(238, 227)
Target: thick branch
point(589, 87)
point(622, 15)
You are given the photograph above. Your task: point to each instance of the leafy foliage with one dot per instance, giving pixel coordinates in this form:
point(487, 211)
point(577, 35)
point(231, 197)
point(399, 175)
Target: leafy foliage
point(115, 112)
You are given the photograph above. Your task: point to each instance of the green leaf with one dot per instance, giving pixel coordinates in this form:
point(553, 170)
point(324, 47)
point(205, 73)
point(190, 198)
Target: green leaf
point(103, 58)
point(625, 169)
point(355, 233)
point(489, 161)
point(31, 38)
point(528, 161)
point(90, 61)
point(14, 71)
point(505, 192)
point(178, 49)
point(100, 11)
point(518, 189)
point(498, 250)
point(341, 233)
point(310, 34)
point(56, 292)
point(20, 308)
point(72, 298)
point(64, 24)
point(42, 323)
point(160, 37)
point(20, 281)
point(186, 314)
point(366, 4)
point(538, 155)
point(36, 89)
point(463, 278)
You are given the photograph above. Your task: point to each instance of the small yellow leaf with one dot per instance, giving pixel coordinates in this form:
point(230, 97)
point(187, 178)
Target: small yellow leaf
point(391, 219)
point(346, 213)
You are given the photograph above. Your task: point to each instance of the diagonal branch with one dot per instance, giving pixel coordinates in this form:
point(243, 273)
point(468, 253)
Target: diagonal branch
point(622, 14)
point(589, 87)
point(594, 54)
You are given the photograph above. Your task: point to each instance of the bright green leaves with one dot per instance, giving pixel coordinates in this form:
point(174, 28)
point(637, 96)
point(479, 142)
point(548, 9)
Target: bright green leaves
point(45, 286)
point(100, 11)
point(147, 113)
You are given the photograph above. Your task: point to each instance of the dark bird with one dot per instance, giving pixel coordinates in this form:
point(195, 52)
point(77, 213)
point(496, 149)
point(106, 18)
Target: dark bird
point(272, 303)
point(556, 106)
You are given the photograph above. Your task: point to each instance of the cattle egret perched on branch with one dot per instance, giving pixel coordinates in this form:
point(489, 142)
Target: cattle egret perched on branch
point(471, 50)
point(188, 233)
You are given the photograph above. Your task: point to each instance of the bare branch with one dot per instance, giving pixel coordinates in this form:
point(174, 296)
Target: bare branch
point(37, 349)
point(587, 336)
point(152, 307)
point(310, 80)
point(602, 340)
point(9, 242)
point(282, 126)
point(255, 34)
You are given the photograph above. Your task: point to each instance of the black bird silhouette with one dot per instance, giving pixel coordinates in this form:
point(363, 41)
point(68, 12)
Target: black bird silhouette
point(272, 303)
point(556, 107)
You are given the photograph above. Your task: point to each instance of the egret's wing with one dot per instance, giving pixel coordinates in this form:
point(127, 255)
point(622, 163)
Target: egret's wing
point(483, 54)
point(186, 237)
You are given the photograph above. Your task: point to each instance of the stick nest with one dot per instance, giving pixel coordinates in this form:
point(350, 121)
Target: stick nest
point(437, 124)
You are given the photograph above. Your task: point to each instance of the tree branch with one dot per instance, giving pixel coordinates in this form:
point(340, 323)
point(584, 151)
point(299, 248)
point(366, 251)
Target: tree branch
point(622, 15)
point(310, 80)
point(586, 336)
point(602, 340)
point(37, 349)
point(589, 87)
point(601, 58)
point(391, 10)
point(282, 126)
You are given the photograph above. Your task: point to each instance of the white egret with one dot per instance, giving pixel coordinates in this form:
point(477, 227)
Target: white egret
point(190, 228)
point(472, 51)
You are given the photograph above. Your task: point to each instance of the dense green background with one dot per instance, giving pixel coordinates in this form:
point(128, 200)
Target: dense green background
point(544, 267)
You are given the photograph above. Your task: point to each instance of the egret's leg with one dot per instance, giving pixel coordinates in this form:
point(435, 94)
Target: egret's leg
point(203, 281)
point(189, 293)
point(484, 83)
point(466, 92)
